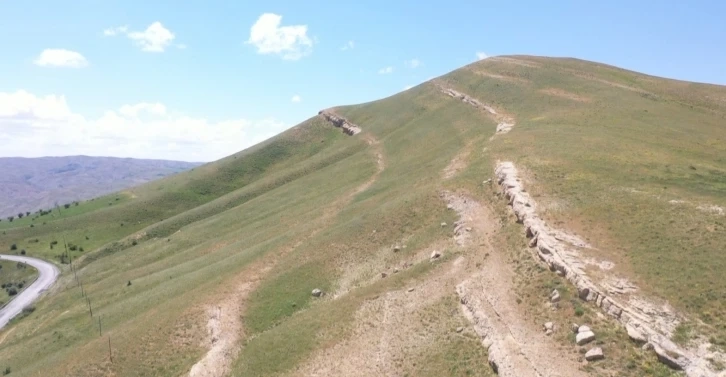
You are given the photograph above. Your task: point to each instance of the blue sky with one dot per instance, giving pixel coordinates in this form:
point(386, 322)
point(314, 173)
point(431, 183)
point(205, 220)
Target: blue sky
point(189, 80)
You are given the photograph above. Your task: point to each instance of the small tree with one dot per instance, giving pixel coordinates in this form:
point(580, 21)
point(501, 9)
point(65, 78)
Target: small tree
point(22, 252)
point(20, 215)
point(13, 247)
point(67, 205)
point(11, 218)
point(27, 213)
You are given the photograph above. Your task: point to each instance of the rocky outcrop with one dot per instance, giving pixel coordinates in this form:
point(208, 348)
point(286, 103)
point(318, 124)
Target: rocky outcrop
point(641, 319)
point(340, 122)
point(505, 123)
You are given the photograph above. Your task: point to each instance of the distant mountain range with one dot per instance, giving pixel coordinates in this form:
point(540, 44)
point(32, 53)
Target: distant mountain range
point(29, 184)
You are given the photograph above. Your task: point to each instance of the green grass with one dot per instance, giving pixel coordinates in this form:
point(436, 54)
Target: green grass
point(605, 167)
point(15, 276)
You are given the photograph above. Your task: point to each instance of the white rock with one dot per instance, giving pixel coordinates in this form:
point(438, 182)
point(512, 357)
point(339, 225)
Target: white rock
point(435, 254)
point(575, 327)
point(584, 328)
point(396, 248)
point(317, 292)
point(410, 289)
point(555, 296)
point(443, 225)
point(549, 326)
point(635, 334)
point(459, 329)
point(594, 354)
point(584, 337)
point(549, 332)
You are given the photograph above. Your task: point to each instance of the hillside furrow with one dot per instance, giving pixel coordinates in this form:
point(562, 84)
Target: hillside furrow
point(515, 348)
point(643, 320)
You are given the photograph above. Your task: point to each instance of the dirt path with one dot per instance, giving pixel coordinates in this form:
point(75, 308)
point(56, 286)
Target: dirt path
point(516, 347)
point(224, 323)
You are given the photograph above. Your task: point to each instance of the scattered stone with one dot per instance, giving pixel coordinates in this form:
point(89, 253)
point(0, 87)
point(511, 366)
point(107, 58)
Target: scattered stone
point(575, 328)
point(584, 328)
point(560, 273)
point(584, 337)
point(549, 332)
point(594, 354)
point(443, 225)
point(549, 326)
point(410, 289)
point(450, 206)
point(435, 254)
point(555, 296)
point(396, 249)
point(317, 292)
point(395, 270)
point(383, 274)
point(468, 229)
point(459, 329)
point(647, 347)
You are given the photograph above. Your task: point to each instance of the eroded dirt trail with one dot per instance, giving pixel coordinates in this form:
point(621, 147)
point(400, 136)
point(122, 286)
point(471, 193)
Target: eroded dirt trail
point(515, 346)
point(224, 323)
point(505, 122)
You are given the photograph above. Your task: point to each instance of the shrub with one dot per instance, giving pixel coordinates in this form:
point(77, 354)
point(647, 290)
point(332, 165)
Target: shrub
point(22, 252)
point(67, 205)
point(13, 247)
point(29, 309)
point(6, 371)
point(72, 247)
point(81, 249)
point(12, 291)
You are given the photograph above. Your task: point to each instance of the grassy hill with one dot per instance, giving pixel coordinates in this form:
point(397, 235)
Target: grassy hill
point(215, 266)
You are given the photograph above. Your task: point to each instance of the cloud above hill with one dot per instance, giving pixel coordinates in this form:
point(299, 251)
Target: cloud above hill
point(33, 126)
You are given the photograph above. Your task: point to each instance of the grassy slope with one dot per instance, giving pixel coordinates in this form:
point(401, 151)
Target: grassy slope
point(210, 228)
point(612, 164)
point(14, 273)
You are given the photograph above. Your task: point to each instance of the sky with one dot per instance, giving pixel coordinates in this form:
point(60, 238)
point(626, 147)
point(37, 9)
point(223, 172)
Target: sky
point(198, 80)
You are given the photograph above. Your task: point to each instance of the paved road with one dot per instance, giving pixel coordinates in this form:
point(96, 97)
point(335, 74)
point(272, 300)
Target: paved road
point(48, 275)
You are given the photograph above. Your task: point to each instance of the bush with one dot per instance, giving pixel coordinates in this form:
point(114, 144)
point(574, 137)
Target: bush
point(6, 371)
point(13, 247)
point(28, 309)
point(81, 249)
point(22, 252)
point(67, 205)
point(12, 291)
point(72, 247)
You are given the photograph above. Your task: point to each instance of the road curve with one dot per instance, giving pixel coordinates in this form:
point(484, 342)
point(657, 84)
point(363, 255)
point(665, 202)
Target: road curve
point(48, 273)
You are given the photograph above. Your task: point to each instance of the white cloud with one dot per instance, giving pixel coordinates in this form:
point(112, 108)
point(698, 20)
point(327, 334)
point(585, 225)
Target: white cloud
point(296, 98)
point(111, 32)
point(413, 63)
point(33, 126)
point(407, 87)
point(348, 46)
point(290, 42)
point(481, 55)
point(154, 39)
point(134, 110)
point(58, 57)
point(385, 70)
point(181, 46)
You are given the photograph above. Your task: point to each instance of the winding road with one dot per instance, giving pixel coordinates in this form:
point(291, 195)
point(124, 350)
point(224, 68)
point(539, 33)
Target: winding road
point(48, 273)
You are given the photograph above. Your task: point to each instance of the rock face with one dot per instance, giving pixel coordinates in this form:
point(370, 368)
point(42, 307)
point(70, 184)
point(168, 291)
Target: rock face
point(554, 248)
point(584, 337)
point(340, 122)
point(594, 354)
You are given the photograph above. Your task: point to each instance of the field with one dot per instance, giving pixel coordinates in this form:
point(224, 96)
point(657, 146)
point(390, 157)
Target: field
point(216, 265)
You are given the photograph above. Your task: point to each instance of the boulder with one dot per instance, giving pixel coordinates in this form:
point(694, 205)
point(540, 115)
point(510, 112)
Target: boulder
point(555, 296)
point(549, 332)
point(584, 337)
point(583, 328)
point(317, 292)
point(594, 354)
point(410, 289)
point(635, 334)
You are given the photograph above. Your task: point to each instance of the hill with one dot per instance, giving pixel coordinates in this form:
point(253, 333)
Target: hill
point(457, 228)
point(30, 184)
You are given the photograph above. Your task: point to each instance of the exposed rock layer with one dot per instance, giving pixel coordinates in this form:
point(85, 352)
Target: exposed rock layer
point(340, 122)
point(642, 321)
